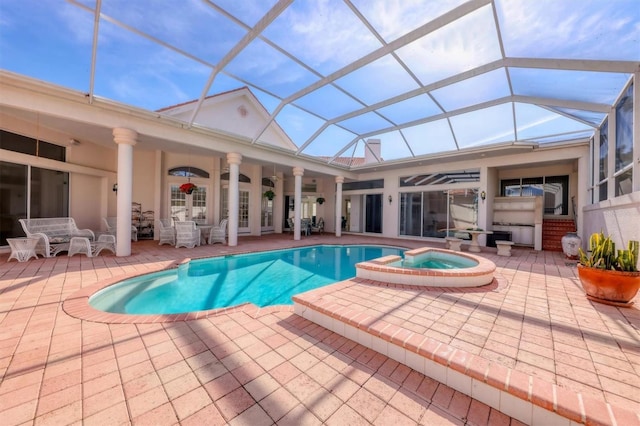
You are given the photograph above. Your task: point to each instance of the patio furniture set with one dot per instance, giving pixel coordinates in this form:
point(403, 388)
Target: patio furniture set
point(190, 234)
point(49, 236)
point(307, 227)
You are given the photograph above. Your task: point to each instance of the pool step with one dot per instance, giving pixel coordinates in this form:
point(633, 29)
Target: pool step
point(512, 392)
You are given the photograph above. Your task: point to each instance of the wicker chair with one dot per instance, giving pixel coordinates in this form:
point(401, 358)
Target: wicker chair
point(319, 226)
point(218, 234)
point(167, 232)
point(112, 227)
point(187, 234)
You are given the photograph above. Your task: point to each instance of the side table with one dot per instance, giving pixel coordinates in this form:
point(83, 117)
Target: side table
point(22, 249)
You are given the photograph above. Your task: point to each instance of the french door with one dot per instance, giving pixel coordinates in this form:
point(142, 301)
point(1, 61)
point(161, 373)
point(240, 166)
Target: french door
point(243, 209)
point(267, 214)
point(188, 206)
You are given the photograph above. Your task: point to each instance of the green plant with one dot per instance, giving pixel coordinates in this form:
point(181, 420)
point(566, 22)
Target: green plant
point(604, 255)
point(269, 194)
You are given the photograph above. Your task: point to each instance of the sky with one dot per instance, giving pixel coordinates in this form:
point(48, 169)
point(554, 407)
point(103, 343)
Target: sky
point(398, 70)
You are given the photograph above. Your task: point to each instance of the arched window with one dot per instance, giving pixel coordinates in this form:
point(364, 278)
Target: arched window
point(241, 177)
point(268, 182)
point(189, 172)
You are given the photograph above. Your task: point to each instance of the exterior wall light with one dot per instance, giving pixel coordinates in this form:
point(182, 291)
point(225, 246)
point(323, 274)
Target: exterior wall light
point(483, 195)
point(390, 199)
point(115, 187)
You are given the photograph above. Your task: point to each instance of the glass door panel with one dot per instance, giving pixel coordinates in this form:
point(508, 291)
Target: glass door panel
point(177, 203)
point(13, 200)
point(49, 193)
point(435, 219)
point(188, 207)
point(267, 214)
point(373, 213)
point(199, 205)
point(243, 213)
point(243, 209)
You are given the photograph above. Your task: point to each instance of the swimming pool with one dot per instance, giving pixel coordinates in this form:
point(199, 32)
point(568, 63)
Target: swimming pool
point(264, 279)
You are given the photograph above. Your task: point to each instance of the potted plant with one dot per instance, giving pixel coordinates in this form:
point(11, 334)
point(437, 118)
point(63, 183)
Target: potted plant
point(320, 200)
point(608, 275)
point(269, 194)
point(188, 188)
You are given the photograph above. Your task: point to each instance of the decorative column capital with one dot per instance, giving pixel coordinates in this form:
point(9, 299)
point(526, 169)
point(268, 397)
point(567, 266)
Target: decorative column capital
point(339, 179)
point(234, 158)
point(298, 171)
point(125, 136)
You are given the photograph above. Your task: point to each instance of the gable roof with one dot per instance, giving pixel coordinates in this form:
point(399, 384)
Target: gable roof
point(235, 111)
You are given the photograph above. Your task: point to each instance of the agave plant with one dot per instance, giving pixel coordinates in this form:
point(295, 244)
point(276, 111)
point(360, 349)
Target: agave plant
point(604, 254)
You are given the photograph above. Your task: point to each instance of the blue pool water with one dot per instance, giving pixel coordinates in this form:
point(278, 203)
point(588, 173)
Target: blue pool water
point(439, 261)
point(266, 278)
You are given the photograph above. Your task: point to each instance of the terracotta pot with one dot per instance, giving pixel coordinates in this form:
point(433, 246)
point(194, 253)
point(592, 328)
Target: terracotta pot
point(609, 286)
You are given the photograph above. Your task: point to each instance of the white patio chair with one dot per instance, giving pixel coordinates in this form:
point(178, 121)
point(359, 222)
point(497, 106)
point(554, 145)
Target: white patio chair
point(167, 232)
point(112, 227)
point(319, 226)
point(218, 234)
point(187, 234)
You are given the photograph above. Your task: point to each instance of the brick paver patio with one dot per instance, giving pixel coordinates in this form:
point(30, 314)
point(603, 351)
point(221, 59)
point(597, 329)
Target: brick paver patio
point(264, 366)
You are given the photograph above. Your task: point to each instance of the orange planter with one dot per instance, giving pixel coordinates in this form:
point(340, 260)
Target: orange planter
point(613, 287)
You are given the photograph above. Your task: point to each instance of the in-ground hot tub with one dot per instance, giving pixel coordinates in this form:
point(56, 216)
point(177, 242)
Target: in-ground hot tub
point(429, 267)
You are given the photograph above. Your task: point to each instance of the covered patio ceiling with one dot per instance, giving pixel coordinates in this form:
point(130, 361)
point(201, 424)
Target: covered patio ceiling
point(424, 77)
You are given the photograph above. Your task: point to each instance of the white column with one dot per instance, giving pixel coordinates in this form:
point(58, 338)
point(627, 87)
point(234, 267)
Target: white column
point(126, 139)
point(339, 181)
point(234, 161)
point(298, 172)
point(278, 204)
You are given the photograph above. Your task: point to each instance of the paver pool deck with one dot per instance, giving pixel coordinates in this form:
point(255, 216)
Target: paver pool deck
point(531, 334)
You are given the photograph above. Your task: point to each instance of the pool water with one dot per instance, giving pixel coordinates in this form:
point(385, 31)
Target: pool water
point(264, 279)
point(440, 263)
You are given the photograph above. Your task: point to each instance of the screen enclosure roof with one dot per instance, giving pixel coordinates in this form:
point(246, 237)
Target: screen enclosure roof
point(423, 77)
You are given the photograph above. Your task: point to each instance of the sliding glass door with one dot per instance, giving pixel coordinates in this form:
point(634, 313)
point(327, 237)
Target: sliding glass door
point(30, 192)
point(438, 213)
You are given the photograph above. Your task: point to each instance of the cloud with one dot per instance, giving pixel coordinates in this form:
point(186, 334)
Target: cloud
point(394, 18)
point(580, 29)
point(323, 34)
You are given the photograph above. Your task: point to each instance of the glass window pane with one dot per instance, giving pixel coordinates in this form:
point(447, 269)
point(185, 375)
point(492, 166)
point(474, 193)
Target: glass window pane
point(603, 192)
point(624, 182)
point(624, 130)
point(13, 196)
point(604, 150)
point(410, 213)
point(49, 193)
point(532, 187)
point(364, 184)
point(463, 210)
point(510, 188)
point(556, 195)
point(52, 151)
point(17, 143)
point(434, 220)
